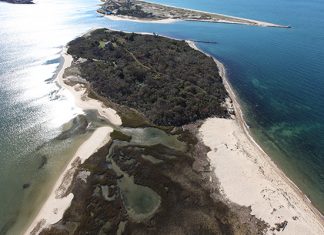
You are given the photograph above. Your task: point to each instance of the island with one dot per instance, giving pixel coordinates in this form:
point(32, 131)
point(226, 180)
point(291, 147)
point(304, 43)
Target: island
point(172, 157)
point(153, 176)
point(18, 1)
point(147, 11)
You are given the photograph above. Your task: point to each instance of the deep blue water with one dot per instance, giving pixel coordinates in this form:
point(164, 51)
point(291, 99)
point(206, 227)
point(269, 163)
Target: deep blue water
point(277, 73)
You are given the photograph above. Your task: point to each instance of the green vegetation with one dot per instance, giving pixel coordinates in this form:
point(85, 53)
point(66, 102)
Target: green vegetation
point(102, 44)
point(122, 179)
point(135, 11)
point(166, 80)
point(126, 8)
point(157, 185)
point(117, 135)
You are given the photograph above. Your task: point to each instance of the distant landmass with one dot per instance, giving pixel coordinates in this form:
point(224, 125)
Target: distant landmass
point(18, 1)
point(147, 11)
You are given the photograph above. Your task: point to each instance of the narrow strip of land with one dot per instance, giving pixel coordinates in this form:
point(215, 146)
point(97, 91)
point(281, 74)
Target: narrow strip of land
point(147, 12)
point(18, 1)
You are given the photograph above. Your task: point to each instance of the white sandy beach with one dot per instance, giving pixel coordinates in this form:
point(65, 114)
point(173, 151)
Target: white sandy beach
point(80, 95)
point(53, 209)
point(134, 19)
point(170, 20)
point(246, 174)
point(236, 20)
point(248, 177)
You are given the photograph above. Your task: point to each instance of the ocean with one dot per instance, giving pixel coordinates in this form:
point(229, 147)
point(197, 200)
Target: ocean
point(278, 75)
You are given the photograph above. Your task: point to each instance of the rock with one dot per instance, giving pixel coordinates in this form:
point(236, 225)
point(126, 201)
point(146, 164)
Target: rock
point(281, 226)
point(43, 162)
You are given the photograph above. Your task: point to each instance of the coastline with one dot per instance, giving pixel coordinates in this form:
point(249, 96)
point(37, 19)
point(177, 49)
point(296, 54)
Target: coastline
point(309, 219)
point(235, 20)
point(217, 208)
point(22, 2)
point(138, 20)
point(60, 199)
point(272, 196)
point(256, 22)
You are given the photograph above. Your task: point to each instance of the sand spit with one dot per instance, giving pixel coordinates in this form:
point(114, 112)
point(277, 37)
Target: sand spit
point(248, 177)
point(162, 13)
point(139, 20)
point(59, 200)
point(53, 209)
point(245, 21)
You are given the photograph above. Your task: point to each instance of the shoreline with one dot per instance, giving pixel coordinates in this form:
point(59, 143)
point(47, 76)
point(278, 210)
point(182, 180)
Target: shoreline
point(241, 20)
point(18, 2)
point(84, 102)
point(245, 127)
point(59, 199)
point(257, 22)
point(313, 216)
point(138, 20)
point(207, 181)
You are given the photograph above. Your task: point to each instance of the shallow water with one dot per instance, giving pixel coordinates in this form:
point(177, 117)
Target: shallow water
point(140, 201)
point(279, 77)
point(278, 74)
point(41, 181)
point(152, 136)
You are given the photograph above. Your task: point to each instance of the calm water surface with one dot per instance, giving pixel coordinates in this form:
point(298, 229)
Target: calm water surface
point(278, 74)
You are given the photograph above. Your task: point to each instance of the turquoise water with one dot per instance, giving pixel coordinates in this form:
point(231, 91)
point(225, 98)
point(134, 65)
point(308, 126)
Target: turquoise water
point(278, 74)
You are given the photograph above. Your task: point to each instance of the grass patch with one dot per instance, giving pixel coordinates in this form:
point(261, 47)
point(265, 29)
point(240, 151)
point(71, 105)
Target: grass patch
point(117, 135)
point(102, 44)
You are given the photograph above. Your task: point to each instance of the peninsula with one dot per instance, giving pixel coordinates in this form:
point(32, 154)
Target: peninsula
point(147, 11)
point(169, 158)
point(18, 1)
